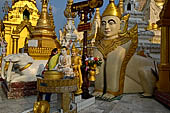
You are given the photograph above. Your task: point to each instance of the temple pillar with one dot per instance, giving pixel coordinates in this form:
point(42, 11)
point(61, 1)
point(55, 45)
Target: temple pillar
point(164, 67)
point(15, 44)
point(121, 6)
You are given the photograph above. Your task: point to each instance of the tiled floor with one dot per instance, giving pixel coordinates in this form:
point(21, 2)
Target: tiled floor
point(129, 103)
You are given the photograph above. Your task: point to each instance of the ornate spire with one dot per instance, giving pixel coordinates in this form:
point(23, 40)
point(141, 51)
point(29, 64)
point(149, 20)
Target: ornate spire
point(67, 11)
point(44, 28)
point(112, 10)
point(44, 35)
point(73, 48)
point(6, 7)
point(121, 6)
point(97, 14)
point(51, 17)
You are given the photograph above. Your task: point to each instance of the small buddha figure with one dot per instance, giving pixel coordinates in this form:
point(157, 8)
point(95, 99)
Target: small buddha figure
point(76, 64)
point(64, 64)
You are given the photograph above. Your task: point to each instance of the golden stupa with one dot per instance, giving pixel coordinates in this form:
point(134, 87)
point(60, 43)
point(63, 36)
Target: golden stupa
point(44, 38)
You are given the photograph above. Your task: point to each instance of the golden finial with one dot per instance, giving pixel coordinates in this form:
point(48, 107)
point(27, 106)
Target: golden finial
point(51, 17)
point(97, 14)
point(73, 48)
point(112, 10)
point(50, 9)
point(67, 11)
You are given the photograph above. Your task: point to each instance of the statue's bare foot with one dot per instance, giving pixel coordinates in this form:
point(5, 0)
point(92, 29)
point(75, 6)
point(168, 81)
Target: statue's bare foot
point(107, 96)
point(97, 94)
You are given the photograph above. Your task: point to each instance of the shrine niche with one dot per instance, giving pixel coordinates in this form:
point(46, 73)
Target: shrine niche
point(21, 35)
point(18, 22)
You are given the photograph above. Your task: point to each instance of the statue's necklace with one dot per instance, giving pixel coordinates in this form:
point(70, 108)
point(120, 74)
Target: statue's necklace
point(107, 46)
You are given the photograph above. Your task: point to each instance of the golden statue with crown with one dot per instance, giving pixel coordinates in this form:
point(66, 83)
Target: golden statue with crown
point(76, 65)
point(116, 46)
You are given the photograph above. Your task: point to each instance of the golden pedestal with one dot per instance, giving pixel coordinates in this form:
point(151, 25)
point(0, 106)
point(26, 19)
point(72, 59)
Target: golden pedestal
point(164, 79)
point(53, 75)
point(92, 73)
point(65, 87)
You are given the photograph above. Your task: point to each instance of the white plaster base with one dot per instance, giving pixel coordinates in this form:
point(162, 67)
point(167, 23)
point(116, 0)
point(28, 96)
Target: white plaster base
point(83, 103)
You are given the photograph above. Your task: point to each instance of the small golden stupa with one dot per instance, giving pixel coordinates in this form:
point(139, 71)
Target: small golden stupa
point(44, 38)
point(51, 17)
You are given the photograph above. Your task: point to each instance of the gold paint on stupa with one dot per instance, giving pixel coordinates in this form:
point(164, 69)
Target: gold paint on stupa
point(19, 23)
point(112, 10)
point(44, 35)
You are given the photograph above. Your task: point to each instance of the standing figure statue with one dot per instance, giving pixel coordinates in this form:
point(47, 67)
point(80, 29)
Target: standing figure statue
point(64, 64)
point(116, 46)
point(76, 64)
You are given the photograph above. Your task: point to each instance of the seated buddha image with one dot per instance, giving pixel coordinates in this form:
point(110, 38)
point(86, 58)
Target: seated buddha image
point(64, 64)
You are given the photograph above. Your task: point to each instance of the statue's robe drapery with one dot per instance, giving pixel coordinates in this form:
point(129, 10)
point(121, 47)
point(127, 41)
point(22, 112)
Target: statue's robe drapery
point(115, 54)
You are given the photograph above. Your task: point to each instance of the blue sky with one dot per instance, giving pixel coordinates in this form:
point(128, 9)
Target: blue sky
point(58, 9)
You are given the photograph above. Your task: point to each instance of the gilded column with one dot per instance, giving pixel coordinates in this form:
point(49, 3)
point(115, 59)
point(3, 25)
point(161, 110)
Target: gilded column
point(15, 44)
point(164, 67)
point(121, 6)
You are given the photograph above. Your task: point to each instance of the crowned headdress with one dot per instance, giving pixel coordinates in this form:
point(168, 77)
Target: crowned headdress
point(112, 10)
point(74, 49)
